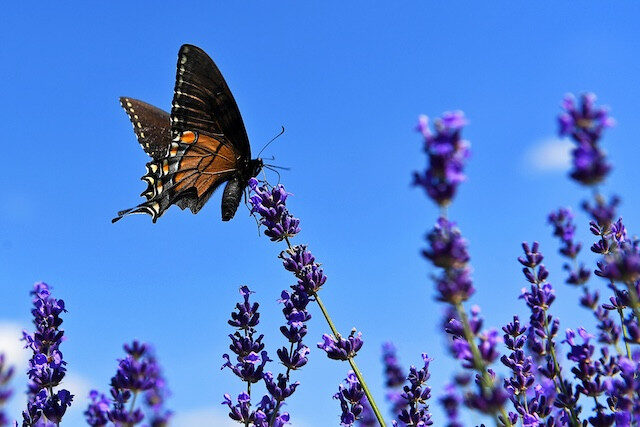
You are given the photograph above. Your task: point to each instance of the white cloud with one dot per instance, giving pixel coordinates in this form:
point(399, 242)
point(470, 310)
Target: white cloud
point(549, 155)
point(11, 346)
point(203, 417)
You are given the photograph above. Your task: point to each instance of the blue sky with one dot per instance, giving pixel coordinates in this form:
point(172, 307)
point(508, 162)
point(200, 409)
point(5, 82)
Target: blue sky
point(348, 82)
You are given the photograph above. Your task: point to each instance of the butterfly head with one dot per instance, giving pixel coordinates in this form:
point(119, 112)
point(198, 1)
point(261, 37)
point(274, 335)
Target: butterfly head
point(255, 166)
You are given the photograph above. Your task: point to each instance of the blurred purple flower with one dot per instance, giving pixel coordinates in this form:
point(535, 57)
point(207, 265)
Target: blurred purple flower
point(351, 399)
point(138, 373)
point(447, 153)
point(585, 124)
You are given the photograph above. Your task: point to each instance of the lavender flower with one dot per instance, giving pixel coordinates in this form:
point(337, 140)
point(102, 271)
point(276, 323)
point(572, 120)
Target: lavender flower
point(543, 328)
point(251, 360)
point(447, 153)
point(351, 399)
point(47, 366)
point(585, 370)
point(295, 357)
point(415, 396)
point(138, 374)
point(6, 373)
point(301, 262)
point(448, 250)
point(270, 205)
point(585, 124)
point(339, 348)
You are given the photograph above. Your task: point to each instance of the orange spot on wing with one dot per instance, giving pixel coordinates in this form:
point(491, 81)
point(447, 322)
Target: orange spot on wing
point(188, 137)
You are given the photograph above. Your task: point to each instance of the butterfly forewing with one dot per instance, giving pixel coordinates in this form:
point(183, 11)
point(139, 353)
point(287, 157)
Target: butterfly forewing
point(203, 102)
point(151, 125)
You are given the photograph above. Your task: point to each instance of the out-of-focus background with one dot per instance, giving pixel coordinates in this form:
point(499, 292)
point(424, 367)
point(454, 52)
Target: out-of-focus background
point(348, 82)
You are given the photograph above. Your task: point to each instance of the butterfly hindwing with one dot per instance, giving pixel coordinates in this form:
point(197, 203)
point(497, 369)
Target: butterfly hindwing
point(151, 125)
point(194, 167)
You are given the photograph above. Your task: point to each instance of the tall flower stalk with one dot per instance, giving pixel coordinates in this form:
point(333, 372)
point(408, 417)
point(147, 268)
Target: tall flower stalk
point(249, 367)
point(544, 328)
point(47, 367)
point(280, 225)
point(446, 155)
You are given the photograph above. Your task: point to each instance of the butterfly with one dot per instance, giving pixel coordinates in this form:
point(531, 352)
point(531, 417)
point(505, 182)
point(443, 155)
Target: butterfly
point(198, 147)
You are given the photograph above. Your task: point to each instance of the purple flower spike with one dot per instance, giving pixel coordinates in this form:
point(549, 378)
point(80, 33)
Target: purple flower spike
point(585, 125)
point(340, 348)
point(447, 247)
point(302, 264)
point(46, 367)
point(415, 396)
point(447, 153)
point(351, 399)
point(271, 206)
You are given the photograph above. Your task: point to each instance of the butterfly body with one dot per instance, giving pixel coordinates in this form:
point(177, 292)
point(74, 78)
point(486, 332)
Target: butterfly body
point(201, 145)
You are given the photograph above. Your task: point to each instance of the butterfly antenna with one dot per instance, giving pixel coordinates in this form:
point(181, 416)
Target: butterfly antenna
point(271, 168)
point(272, 139)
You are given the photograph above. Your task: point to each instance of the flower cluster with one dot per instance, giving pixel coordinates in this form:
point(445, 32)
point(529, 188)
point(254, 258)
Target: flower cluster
point(447, 153)
point(415, 396)
point(448, 250)
point(530, 408)
point(352, 400)
point(585, 124)
point(47, 367)
point(301, 262)
point(339, 348)
point(270, 205)
point(138, 374)
point(6, 373)
point(250, 361)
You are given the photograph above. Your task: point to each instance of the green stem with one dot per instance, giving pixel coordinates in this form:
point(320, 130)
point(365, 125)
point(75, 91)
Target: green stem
point(246, 423)
point(352, 362)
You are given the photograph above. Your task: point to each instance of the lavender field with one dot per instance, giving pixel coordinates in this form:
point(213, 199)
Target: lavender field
point(430, 219)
